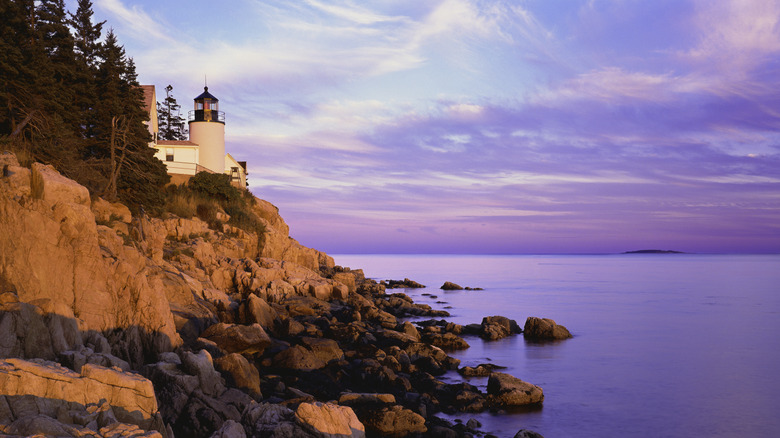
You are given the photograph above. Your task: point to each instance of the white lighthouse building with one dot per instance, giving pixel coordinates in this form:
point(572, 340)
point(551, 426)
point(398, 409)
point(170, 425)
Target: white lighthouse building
point(207, 129)
point(205, 150)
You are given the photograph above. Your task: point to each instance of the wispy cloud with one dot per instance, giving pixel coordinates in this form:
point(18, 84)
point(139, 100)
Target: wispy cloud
point(506, 122)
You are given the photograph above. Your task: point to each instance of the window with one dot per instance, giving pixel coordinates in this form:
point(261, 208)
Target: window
point(199, 106)
point(168, 154)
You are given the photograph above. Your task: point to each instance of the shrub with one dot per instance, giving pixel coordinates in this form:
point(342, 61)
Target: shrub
point(215, 185)
point(181, 204)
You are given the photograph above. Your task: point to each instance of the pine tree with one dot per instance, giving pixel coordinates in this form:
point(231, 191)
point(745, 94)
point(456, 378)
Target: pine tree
point(86, 34)
point(133, 174)
point(170, 119)
point(87, 49)
point(36, 55)
point(67, 100)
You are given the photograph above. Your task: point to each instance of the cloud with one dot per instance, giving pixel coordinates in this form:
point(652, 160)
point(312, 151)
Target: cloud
point(135, 21)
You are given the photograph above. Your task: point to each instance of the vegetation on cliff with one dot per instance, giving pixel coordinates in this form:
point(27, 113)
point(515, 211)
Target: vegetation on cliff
point(71, 100)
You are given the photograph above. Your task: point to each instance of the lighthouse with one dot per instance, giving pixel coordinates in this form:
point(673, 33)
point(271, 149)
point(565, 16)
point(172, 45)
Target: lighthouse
point(207, 129)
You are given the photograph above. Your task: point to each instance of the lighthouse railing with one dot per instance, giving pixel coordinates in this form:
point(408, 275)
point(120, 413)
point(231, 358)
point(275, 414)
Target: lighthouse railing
point(206, 116)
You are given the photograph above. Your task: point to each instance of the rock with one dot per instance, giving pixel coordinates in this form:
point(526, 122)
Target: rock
point(347, 279)
point(362, 399)
point(289, 328)
point(506, 390)
point(130, 396)
point(53, 250)
point(39, 425)
point(202, 366)
point(239, 372)
point(312, 354)
point(450, 286)
point(402, 284)
point(272, 420)
point(230, 429)
point(243, 339)
point(481, 370)
point(523, 433)
point(329, 421)
point(409, 329)
point(256, 310)
point(498, 327)
point(446, 341)
point(108, 212)
point(395, 421)
point(542, 329)
point(7, 159)
point(49, 185)
point(23, 331)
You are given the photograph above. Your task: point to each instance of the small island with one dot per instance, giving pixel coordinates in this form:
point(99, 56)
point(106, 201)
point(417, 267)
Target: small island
point(654, 251)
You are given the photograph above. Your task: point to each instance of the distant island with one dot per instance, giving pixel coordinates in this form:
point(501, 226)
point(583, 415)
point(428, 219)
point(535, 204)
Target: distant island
point(654, 251)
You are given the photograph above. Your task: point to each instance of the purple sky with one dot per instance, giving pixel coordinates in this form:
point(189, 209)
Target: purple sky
point(488, 126)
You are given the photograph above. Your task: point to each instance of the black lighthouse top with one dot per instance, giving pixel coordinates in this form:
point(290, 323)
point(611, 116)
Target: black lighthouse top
point(206, 109)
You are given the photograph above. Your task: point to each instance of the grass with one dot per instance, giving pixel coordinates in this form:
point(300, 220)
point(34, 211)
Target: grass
point(186, 202)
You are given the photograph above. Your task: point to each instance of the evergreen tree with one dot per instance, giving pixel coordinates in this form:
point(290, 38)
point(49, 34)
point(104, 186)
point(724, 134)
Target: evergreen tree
point(86, 34)
point(69, 101)
point(16, 37)
point(134, 175)
point(36, 55)
point(170, 120)
point(87, 49)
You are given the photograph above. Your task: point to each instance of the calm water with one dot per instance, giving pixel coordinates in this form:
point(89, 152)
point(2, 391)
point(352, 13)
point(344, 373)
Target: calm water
point(664, 346)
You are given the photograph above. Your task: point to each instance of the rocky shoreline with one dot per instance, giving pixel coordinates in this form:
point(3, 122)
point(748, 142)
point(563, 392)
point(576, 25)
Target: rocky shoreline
point(115, 325)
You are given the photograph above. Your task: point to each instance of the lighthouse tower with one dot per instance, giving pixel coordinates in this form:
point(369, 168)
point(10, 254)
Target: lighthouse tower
point(207, 129)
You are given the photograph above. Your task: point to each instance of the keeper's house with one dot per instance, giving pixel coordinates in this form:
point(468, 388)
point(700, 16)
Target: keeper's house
point(205, 150)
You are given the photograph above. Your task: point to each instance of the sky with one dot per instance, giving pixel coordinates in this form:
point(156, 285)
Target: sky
point(488, 126)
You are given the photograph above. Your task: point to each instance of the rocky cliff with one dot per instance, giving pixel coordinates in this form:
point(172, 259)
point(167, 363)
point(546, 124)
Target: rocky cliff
point(120, 325)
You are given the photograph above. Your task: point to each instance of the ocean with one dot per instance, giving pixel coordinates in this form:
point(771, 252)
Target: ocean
point(665, 345)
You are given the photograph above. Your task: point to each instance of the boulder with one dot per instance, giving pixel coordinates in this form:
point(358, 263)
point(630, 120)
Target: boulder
point(327, 420)
point(446, 341)
point(450, 286)
point(506, 390)
point(498, 327)
point(108, 212)
point(49, 388)
point(239, 372)
point(544, 329)
point(49, 185)
point(362, 399)
point(230, 429)
point(481, 370)
point(202, 366)
point(272, 420)
point(395, 421)
point(23, 330)
point(524, 433)
point(347, 279)
point(256, 310)
point(242, 339)
point(311, 354)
